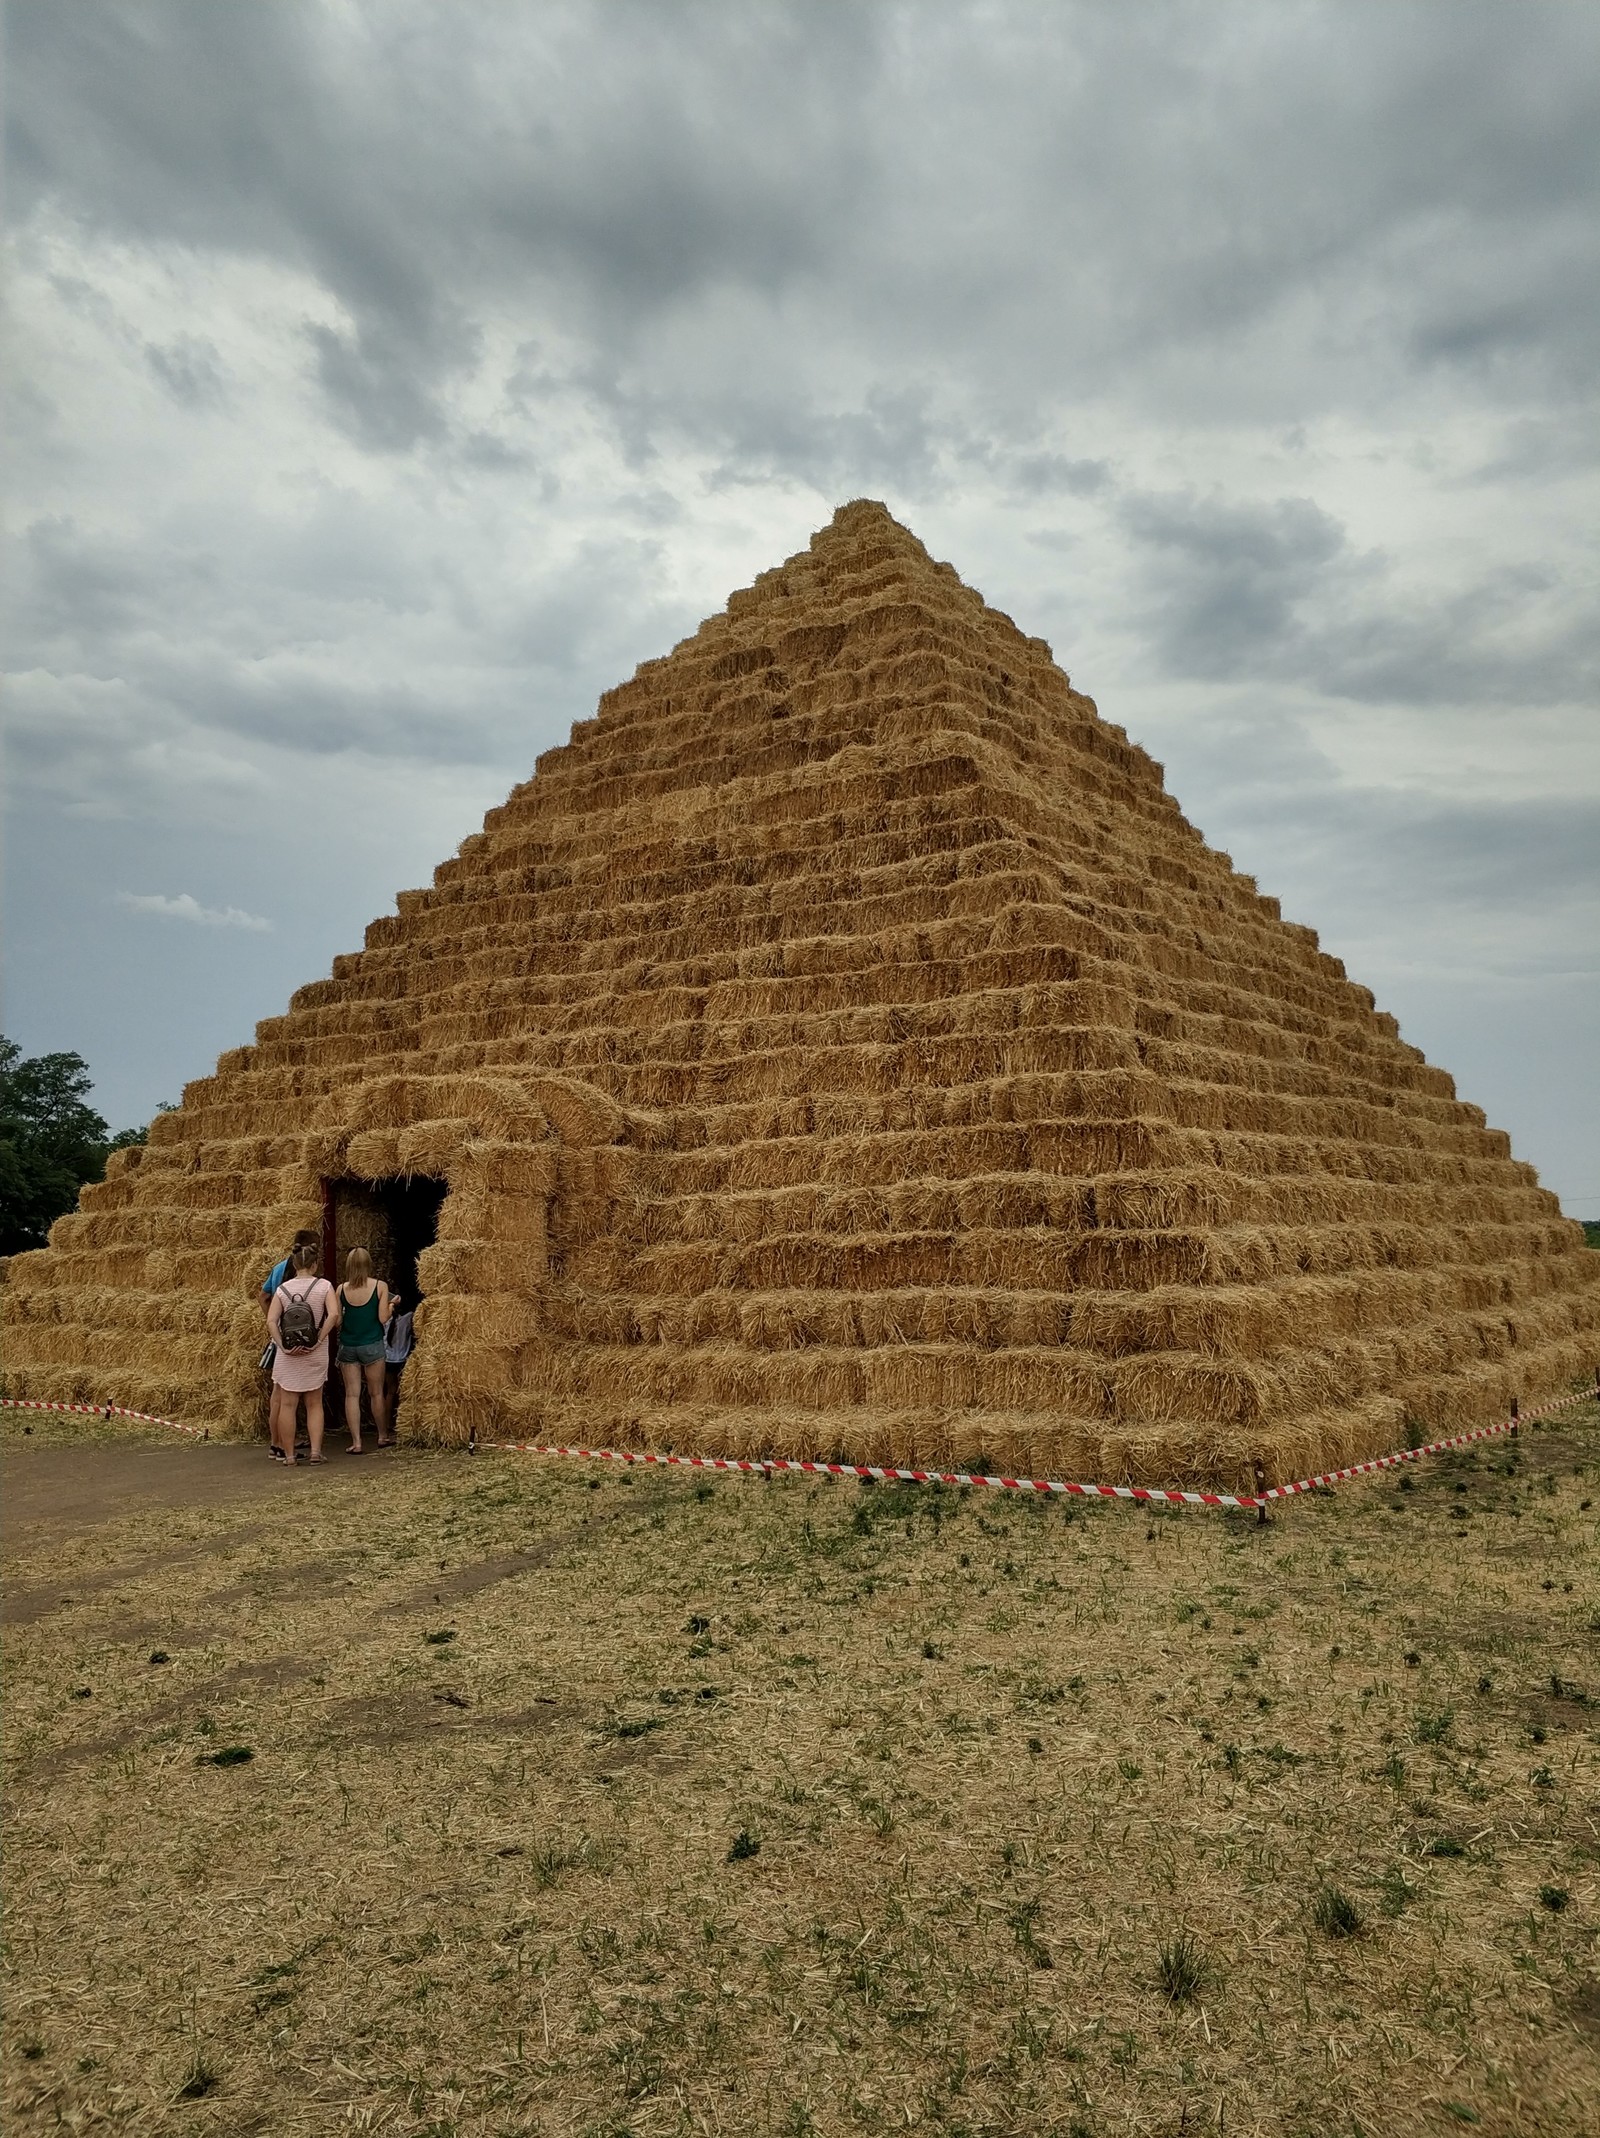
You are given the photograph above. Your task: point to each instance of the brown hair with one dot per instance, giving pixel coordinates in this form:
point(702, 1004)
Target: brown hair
point(357, 1266)
point(306, 1255)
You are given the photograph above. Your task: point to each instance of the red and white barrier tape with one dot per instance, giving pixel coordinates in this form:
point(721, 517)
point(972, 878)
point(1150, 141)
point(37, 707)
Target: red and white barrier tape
point(776, 1465)
point(779, 1465)
point(1159, 1495)
point(1434, 1447)
point(104, 1410)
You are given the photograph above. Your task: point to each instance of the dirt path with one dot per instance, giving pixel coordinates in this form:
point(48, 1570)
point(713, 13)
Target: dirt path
point(68, 1489)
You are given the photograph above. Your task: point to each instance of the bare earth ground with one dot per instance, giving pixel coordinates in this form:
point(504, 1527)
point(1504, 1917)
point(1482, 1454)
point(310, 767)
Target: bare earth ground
point(592, 1802)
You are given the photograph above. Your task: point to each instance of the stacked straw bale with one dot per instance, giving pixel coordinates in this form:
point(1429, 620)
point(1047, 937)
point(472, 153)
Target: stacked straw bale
point(844, 1047)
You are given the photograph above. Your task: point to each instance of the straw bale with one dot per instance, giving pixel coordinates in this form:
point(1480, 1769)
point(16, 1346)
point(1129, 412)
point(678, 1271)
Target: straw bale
point(451, 1412)
point(912, 1375)
point(657, 1321)
point(590, 1317)
point(457, 1370)
point(483, 1214)
point(472, 1266)
point(374, 1154)
point(579, 1111)
point(1136, 1202)
point(782, 1321)
point(278, 1223)
point(105, 1195)
point(207, 1191)
point(430, 1147)
point(497, 1321)
point(1016, 1445)
point(595, 1174)
point(205, 1269)
point(1187, 1385)
point(168, 1227)
point(69, 1271)
point(34, 1270)
point(55, 1344)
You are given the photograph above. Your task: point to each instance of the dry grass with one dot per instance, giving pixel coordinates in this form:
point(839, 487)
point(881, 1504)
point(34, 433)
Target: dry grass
point(595, 1803)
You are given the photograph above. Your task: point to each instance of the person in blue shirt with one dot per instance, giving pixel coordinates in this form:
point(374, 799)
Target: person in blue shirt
point(280, 1270)
point(269, 1284)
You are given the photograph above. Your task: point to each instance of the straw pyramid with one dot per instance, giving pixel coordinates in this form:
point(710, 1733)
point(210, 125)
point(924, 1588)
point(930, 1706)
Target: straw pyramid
point(844, 1046)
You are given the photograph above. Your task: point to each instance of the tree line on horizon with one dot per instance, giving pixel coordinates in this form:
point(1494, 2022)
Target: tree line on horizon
point(51, 1142)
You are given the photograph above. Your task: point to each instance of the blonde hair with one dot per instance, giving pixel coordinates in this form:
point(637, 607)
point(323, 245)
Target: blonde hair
point(357, 1266)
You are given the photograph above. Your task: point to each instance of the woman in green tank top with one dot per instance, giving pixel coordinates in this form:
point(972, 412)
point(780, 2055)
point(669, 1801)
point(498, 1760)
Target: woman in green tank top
point(365, 1307)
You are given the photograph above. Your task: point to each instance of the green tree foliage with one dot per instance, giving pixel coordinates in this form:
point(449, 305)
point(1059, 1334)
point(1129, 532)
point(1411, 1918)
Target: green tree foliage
point(51, 1142)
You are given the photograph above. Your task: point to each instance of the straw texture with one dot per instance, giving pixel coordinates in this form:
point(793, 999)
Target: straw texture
point(843, 1046)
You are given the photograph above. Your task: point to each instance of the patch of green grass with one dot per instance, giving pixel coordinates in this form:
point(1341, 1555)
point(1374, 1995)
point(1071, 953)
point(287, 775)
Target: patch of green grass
point(1181, 1968)
point(1025, 1927)
point(553, 1857)
point(1335, 1913)
point(1396, 1890)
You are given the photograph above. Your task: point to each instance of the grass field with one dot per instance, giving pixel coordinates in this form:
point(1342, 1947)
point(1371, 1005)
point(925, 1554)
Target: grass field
point(581, 1801)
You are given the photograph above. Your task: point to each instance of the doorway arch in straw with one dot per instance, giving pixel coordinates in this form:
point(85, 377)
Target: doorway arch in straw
point(532, 1168)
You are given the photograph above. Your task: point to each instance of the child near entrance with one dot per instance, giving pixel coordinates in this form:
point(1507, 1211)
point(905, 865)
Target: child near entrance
point(365, 1307)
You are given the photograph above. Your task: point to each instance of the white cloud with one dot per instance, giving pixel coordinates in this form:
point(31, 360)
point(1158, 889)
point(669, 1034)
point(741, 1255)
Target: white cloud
point(187, 908)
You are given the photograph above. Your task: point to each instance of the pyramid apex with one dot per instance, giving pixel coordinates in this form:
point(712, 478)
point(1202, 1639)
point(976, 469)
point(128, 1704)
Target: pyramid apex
point(856, 541)
point(866, 518)
point(862, 509)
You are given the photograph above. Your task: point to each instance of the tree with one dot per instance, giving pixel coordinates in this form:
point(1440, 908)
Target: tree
point(51, 1142)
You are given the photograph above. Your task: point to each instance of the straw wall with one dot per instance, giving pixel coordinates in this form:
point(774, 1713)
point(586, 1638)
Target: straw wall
point(843, 1045)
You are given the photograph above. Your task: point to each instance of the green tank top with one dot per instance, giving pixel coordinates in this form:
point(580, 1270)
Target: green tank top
point(361, 1325)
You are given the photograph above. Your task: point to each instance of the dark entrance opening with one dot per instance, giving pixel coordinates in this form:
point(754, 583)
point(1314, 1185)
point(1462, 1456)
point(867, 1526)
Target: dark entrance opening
point(394, 1220)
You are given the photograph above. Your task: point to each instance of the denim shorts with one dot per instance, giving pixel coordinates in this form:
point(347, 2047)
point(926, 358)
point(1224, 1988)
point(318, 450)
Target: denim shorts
point(361, 1354)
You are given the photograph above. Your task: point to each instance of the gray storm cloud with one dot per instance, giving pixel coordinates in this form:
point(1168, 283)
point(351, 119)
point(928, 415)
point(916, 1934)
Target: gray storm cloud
point(388, 380)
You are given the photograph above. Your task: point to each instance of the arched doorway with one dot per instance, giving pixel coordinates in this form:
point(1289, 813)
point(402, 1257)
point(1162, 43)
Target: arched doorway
point(395, 1219)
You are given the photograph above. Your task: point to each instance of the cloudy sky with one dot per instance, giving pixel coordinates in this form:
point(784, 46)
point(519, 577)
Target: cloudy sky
point(388, 377)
